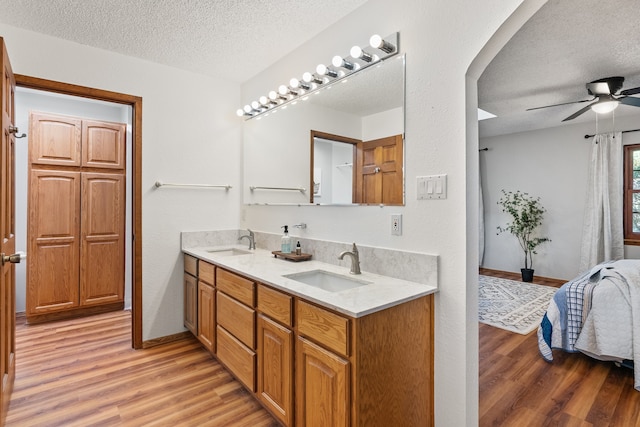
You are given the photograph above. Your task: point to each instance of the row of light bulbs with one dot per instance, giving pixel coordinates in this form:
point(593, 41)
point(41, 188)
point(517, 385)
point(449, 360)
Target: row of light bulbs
point(323, 74)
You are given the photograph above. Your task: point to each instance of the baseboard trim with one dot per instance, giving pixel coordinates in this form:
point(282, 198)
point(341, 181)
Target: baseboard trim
point(517, 276)
point(166, 339)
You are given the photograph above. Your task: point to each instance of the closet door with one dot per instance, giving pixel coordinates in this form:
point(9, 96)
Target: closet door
point(54, 214)
point(54, 140)
point(103, 144)
point(102, 229)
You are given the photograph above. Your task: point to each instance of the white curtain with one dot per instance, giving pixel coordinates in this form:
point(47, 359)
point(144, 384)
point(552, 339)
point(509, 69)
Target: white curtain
point(603, 235)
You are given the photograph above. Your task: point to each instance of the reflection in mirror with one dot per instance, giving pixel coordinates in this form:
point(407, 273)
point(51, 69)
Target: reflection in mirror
point(367, 106)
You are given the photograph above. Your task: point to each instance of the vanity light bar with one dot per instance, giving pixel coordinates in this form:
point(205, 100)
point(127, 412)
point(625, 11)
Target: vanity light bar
point(379, 49)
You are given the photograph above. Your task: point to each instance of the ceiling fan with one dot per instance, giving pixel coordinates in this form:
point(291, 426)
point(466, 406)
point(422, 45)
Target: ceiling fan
point(605, 97)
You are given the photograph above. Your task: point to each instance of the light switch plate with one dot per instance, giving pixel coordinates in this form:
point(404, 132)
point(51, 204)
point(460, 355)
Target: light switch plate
point(432, 187)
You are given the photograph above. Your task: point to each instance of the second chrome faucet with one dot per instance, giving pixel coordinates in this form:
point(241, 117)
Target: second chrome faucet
point(355, 259)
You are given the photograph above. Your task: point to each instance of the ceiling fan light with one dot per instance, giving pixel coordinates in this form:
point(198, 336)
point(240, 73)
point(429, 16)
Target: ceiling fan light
point(605, 106)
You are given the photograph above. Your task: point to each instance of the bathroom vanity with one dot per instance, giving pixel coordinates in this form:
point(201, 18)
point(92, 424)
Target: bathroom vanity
point(316, 346)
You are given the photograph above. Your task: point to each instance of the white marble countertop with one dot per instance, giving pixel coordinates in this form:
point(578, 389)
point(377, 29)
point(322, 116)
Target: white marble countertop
point(379, 293)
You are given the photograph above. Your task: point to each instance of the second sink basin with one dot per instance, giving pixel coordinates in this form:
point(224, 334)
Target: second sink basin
point(228, 252)
point(326, 280)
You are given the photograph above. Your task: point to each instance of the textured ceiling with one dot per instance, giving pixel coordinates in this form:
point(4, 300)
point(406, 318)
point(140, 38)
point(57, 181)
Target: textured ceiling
point(231, 39)
point(567, 44)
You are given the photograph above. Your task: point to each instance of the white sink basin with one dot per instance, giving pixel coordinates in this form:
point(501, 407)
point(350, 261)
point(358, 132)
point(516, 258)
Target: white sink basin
point(326, 280)
point(228, 252)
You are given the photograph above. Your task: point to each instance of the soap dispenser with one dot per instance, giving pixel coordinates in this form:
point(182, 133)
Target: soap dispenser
point(285, 245)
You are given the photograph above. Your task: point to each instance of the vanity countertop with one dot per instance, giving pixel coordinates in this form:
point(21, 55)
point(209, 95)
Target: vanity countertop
point(379, 293)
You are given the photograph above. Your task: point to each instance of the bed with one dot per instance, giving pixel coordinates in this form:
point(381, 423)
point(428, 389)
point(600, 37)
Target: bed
point(598, 314)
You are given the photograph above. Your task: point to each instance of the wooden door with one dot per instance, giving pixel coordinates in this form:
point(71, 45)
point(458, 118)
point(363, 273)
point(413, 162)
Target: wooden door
point(191, 303)
point(7, 234)
point(207, 316)
point(275, 368)
point(53, 241)
point(322, 387)
point(102, 229)
point(379, 171)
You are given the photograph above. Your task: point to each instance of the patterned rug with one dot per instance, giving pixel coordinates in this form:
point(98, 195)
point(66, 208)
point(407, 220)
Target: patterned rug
point(514, 306)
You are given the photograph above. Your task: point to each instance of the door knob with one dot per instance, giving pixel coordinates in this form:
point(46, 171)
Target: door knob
point(13, 259)
point(15, 130)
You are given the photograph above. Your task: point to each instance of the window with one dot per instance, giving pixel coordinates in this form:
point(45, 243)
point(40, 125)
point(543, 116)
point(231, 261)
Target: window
point(632, 194)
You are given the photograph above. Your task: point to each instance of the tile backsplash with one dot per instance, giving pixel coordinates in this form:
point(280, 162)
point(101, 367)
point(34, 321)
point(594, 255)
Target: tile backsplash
point(412, 266)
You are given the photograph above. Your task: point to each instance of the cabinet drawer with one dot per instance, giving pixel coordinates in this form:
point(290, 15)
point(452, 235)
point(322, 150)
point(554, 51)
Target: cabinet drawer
point(191, 265)
point(237, 286)
point(236, 318)
point(237, 357)
point(206, 272)
point(275, 304)
point(323, 326)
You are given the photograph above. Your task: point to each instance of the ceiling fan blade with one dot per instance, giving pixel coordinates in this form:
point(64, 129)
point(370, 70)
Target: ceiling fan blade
point(579, 112)
point(564, 103)
point(631, 91)
point(630, 100)
point(599, 88)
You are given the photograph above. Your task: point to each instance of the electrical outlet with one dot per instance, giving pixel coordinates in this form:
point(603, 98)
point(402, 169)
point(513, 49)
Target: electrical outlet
point(396, 224)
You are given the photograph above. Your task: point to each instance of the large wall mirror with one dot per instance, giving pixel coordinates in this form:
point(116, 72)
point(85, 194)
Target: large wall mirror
point(342, 145)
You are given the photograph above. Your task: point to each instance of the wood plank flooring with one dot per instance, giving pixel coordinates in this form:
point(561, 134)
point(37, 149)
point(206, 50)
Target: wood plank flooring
point(83, 372)
point(518, 388)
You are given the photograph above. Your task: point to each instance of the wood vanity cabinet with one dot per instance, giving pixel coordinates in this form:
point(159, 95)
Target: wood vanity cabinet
point(311, 366)
point(236, 320)
point(206, 305)
point(275, 353)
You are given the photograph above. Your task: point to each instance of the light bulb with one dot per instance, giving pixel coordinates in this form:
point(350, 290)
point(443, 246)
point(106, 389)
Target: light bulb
point(294, 83)
point(273, 95)
point(339, 61)
point(605, 107)
point(324, 71)
point(283, 90)
point(240, 112)
point(264, 101)
point(255, 105)
point(378, 42)
point(357, 52)
point(247, 109)
point(310, 78)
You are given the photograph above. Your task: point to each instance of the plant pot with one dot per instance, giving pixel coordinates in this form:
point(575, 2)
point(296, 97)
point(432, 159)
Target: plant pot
point(527, 274)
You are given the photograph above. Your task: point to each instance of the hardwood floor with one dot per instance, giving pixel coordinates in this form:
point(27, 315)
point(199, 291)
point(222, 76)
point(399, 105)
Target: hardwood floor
point(518, 388)
point(83, 372)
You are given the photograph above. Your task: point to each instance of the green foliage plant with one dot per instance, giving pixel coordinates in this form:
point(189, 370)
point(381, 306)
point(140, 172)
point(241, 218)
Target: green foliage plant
point(526, 216)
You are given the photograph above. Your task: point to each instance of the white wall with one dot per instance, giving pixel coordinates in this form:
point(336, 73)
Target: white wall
point(28, 100)
point(551, 164)
point(441, 39)
point(190, 135)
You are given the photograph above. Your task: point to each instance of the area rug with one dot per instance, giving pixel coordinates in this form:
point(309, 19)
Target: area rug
point(511, 305)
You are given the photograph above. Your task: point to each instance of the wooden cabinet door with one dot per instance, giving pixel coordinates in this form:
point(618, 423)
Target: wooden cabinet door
point(54, 241)
point(54, 140)
point(275, 368)
point(103, 144)
point(191, 303)
point(102, 225)
point(379, 171)
point(322, 387)
point(206, 316)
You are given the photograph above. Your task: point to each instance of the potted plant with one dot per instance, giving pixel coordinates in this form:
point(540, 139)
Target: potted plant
point(526, 216)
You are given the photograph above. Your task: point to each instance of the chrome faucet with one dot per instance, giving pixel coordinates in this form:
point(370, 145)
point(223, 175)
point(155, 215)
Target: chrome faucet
point(355, 259)
point(251, 237)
